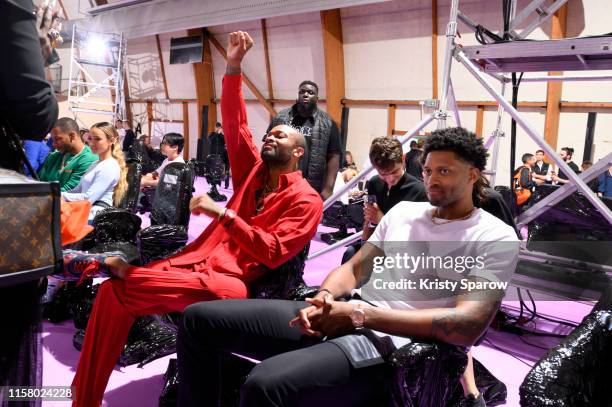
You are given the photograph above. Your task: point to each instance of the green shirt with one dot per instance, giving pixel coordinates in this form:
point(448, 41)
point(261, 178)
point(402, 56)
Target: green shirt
point(66, 168)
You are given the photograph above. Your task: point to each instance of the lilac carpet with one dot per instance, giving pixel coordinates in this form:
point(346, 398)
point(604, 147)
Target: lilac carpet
point(507, 356)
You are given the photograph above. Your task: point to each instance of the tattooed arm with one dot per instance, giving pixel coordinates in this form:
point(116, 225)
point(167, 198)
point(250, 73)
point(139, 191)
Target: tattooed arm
point(461, 325)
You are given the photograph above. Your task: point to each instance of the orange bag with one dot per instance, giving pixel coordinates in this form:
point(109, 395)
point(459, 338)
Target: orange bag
point(73, 221)
point(522, 194)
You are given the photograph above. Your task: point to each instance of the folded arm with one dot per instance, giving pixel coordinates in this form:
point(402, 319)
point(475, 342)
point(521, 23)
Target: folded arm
point(282, 240)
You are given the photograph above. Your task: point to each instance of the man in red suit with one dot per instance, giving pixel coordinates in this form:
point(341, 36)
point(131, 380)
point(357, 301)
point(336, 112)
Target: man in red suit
point(272, 215)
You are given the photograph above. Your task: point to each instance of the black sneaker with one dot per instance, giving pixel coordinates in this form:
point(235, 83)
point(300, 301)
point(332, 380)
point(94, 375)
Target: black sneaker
point(475, 401)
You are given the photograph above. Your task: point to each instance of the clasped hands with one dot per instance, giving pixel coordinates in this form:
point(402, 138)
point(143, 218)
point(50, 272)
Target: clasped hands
point(324, 317)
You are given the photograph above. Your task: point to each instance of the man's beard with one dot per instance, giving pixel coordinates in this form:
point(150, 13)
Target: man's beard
point(274, 158)
point(305, 108)
point(447, 198)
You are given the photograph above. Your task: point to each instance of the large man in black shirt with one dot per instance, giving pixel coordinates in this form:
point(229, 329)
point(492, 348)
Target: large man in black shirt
point(321, 160)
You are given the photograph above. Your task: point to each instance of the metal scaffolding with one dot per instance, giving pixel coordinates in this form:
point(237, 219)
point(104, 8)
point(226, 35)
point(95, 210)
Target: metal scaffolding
point(498, 59)
point(96, 74)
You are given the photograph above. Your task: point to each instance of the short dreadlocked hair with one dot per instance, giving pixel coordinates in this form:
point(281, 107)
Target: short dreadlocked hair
point(465, 145)
point(460, 141)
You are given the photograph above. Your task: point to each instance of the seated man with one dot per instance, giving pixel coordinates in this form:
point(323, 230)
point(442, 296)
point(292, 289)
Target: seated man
point(336, 357)
point(391, 186)
point(271, 217)
point(71, 157)
point(171, 147)
point(523, 180)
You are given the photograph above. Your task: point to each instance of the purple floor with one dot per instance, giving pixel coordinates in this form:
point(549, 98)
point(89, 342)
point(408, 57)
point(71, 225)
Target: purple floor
point(507, 356)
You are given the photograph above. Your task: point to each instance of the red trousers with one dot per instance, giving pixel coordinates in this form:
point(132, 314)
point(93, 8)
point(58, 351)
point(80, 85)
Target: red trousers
point(156, 289)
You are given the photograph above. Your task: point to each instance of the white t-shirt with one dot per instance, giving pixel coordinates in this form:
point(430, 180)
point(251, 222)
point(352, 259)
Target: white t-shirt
point(480, 246)
point(408, 229)
point(178, 159)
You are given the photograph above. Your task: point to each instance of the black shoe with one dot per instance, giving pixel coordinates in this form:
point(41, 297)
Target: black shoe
point(475, 401)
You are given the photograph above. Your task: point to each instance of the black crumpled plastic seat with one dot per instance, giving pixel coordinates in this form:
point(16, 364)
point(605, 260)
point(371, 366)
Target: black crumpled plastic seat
point(118, 229)
point(576, 372)
point(134, 173)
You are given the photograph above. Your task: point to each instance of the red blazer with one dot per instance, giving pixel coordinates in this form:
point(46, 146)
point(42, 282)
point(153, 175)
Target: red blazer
point(287, 223)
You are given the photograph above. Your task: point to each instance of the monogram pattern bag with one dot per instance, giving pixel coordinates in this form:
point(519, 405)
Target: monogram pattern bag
point(29, 228)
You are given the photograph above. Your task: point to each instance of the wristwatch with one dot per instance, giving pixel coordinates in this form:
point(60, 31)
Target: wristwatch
point(358, 317)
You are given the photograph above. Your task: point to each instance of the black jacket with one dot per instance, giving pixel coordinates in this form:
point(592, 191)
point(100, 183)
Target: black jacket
point(27, 101)
point(413, 163)
point(408, 188)
point(314, 163)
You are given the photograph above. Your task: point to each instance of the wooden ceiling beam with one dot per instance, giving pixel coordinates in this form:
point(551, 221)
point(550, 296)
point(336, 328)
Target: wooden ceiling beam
point(264, 31)
point(333, 49)
point(161, 65)
point(554, 89)
point(390, 120)
point(479, 120)
point(434, 48)
point(205, 85)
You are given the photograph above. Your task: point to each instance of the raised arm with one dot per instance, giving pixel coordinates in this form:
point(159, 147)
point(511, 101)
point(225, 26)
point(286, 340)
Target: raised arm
point(242, 153)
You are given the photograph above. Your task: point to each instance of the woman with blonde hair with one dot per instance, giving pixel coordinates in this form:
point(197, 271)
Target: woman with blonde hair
point(104, 183)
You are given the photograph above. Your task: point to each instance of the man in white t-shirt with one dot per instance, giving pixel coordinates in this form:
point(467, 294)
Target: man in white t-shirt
point(171, 147)
point(431, 270)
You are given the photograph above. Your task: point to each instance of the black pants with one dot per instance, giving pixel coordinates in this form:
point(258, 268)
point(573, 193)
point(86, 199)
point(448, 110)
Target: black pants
point(295, 370)
point(351, 251)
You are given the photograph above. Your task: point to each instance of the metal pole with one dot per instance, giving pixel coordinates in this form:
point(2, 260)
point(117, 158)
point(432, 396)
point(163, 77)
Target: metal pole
point(573, 177)
point(367, 168)
point(497, 133)
point(346, 241)
point(530, 8)
point(542, 18)
point(453, 102)
point(70, 80)
point(451, 32)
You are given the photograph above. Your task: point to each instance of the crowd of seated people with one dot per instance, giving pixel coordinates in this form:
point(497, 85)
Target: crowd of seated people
point(271, 217)
point(325, 351)
point(319, 351)
point(104, 183)
point(537, 171)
